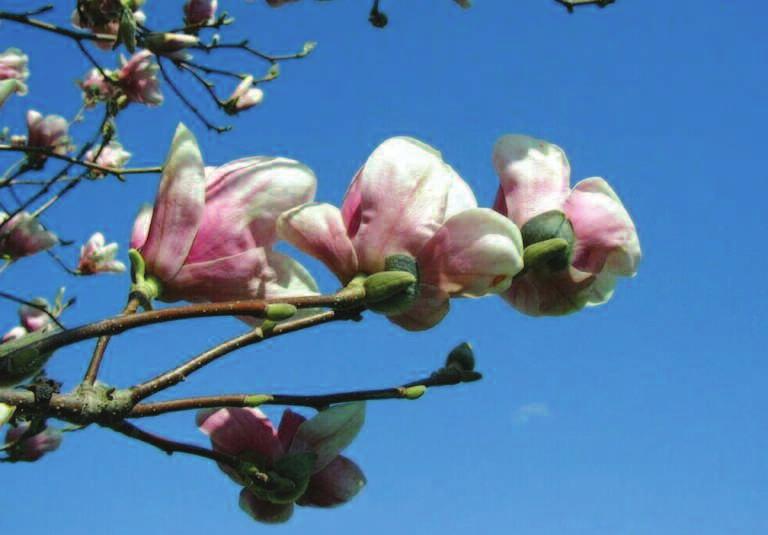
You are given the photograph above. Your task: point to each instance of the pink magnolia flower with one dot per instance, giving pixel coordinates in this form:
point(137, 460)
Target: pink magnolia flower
point(113, 156)
point(96, 88)
point(200, 11)
point(244, 96)
point(535, 179)
point(210, 234)
point(14, 334)
point(138, 79)
point(13, 73)
point(407, 200)
point(23, 235)
point(31, 448)
point(98, 257)
point(329, 479)
point(49, 132)
point(36, 318)
point(103, 17)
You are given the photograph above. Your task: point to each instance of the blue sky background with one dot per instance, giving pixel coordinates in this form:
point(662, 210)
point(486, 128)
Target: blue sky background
point(645, 416)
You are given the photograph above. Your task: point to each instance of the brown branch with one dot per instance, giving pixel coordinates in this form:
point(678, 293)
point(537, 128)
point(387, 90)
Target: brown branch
point(101, 346)
point(179, 374)
point(26, 18)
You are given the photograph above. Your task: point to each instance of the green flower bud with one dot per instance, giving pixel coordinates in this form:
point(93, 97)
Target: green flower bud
point(461, 357)
point(390, 292)
point(547, 226)
point(549, 255)
point(414, 392)
point(280, 311)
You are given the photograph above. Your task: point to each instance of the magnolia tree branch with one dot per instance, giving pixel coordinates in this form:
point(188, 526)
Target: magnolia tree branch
point(571, 4)
point(26, 19)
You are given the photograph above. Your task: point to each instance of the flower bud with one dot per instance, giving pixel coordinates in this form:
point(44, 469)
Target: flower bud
point(200, 11)
point(243, 97)
point(98, 257)
point(50, 132)
point(168, 43)
point(280, 311)
point(23, 235)
point(414, 392)
point(390, 292)
point(461, 357)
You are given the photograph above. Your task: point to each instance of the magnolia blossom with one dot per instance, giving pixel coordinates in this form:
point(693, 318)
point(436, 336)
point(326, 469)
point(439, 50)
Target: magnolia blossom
point(13, 73)
point(200, 11)
point(98, 257)
point(36, 318)
point(50, 132)
point(535, 179)
point(112, 155)
point(407, 200)
point(244, 96)
point(138, 79)
point(14, 334)
point(103, 17)
point(326, 480)
point(31, 448)
point(96, 88)
point(23, 235)
point(210, 234)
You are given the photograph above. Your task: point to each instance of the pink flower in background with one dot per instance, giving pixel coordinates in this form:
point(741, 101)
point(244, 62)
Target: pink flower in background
point(138, 79)
point(328, 478)
point(96, 88)
point(36, 318)
point(104, 18)
point(14, 334)
point(112, 155)
point(210, 234)
point(244, 96)
point(98, 257)
point(407, 200)
point(23, 235)
point(535, 178)
point(49, 132)
point(13, 73)
point(200, 11)
point(31, 448)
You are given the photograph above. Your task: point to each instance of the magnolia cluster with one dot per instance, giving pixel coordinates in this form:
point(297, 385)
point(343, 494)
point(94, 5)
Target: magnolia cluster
point(301, 458)
point(546, 249)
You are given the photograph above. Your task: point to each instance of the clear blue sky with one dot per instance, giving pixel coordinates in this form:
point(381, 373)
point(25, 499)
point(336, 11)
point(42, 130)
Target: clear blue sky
point(648, 414)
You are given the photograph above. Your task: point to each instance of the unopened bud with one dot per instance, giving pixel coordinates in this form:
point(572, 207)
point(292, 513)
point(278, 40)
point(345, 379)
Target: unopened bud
point(546, 226)
point(549, 255)
point(414, 392)
point(390, 292)
point(462, 357)
point(280, 311)
point(168, 43)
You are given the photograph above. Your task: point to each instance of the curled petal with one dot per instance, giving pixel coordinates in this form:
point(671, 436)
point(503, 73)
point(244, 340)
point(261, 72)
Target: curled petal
point(406, 193)
point(329, 432)
point(264, 511)
point(428, 310)
point(318, 230)
point(290, 278)
point(289, 424)
point(334, 485)
point(241, 431)
point(606, 238)
point(141, 226)
point(534, 176)
point(179, 207)
point(476, 252)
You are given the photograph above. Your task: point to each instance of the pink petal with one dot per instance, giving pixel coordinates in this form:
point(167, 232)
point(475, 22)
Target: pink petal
point(429, 310)
point(350, 208)
point(406, 194)
point(289, 424)
point(475, 252)
point(223, 279)
point(241, 431)
point(534, 175)
point(329, 432)
point(179, 207)
point(141, 226)
point(264, 511)
point(243, 200)
point(334, 485)
point(606, 238)
point(318, 230)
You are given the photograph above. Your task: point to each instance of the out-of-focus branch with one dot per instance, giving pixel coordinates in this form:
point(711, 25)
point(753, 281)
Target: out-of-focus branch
point(570, 5)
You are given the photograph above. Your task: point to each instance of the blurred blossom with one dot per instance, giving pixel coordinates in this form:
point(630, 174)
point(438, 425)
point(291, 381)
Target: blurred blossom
point(244, 96)
point(200, 11)
point(407, 200)
point(98, 257)
point(13, 73)
point(138, 79)
point(211, 232)
point(96, 88)
point(23, 235)
point(112, 155)
point(32, 448)
point(50, 132)
point(590, 218)
point(305, 451)
point(103, 17)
